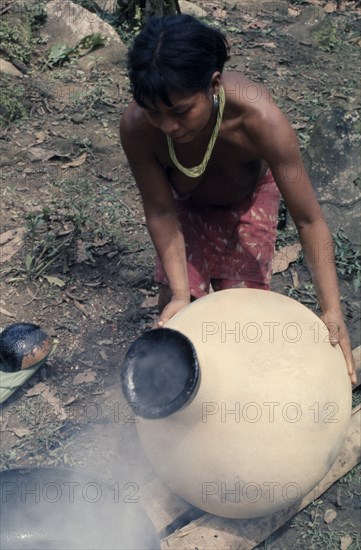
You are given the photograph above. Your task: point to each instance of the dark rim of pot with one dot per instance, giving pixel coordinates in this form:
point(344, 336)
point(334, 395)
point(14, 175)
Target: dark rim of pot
point(159, 373)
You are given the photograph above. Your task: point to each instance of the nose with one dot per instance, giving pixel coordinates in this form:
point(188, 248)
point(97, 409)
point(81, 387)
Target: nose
point(169, 125)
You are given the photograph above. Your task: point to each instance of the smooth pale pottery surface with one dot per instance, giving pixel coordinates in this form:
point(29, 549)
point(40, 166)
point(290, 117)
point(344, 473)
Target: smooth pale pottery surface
point(271, 411)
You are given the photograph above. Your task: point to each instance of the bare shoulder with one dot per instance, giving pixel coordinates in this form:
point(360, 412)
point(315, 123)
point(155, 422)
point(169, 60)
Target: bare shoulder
point(140, 142)
point(251, 100)
point(132, 119)
point(135, 130)
point(259, 116)
point(242, 89)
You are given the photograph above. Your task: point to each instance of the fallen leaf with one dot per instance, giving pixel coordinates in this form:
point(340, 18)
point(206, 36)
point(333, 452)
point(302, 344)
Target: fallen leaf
point(112, 254)
point(293, 96)
point(295, 279)
point(86, 363)
point(285, 256)
point(4, 421)
point(11, 242)
point(298, 125)
point(84, 378)
point(345, 542)
point(54, 280)
point(267, 44)
point(101, 241)
point(50, 397)
point(282, 71)
point(40, 154)
point(9, 235)
point(254, 25)
point(7, 313)
point(294, 11)
point(20, 432)
point(103, 355)
point(95, 284)
point(76, 162)
point(219, 14)
point(80, 253)
point(70, 401)
point(40, 136)
point(37, 389)
point(329, 515)
point(149, 301)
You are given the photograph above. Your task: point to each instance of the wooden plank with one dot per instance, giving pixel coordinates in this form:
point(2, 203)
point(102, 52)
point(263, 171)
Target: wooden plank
point(215, 533)
point(165, 507)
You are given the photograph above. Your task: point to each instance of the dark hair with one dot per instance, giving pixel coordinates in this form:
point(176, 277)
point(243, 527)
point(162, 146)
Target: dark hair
point(174, 53)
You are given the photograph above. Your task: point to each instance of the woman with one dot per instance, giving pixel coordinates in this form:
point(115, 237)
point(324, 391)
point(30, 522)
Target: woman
point(211, 153)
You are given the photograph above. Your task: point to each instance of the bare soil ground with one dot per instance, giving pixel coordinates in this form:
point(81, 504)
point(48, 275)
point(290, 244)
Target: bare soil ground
point(85, 271)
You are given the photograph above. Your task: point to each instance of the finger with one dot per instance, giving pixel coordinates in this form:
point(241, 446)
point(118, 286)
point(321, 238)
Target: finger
point(352, 371)
point(350, 362)
point(333, 333)
point(352, 374)
point(163, 319)
point(158, 323)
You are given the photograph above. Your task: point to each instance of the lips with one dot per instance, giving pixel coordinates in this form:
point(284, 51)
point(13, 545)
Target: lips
point(178, 137)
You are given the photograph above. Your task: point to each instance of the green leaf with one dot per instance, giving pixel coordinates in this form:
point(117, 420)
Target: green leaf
point(356, 283)
point(58, 53)
point(16, 279)
point(28, 262)
point(91, 40)
point(54, 280)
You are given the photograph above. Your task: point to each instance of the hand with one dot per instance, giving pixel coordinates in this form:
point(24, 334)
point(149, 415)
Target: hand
point(338, 334)
point(170, 309)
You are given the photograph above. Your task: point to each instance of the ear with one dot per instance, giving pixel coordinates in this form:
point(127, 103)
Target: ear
point(216, 81)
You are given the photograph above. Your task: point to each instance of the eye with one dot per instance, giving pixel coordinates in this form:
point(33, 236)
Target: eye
point(181, 113)
point(151, 113)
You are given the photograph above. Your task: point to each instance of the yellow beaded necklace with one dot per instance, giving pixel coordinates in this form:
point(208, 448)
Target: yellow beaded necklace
point(196, 171)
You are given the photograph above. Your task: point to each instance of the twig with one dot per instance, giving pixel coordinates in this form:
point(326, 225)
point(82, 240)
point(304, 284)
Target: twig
point(128, 208)
point(126, 252)
point(81, 308)
point(132, 213)
point(74, 296)
point(45, 101)
point(5, 8)
point(33, 297)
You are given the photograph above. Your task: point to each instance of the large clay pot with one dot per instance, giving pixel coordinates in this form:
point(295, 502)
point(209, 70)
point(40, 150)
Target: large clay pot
point(261, 403)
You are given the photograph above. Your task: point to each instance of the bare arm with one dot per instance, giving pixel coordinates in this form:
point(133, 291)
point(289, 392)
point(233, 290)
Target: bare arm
point(159, 209)
point(279, 147)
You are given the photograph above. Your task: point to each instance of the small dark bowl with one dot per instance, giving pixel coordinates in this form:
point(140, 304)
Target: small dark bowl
point(23, 345)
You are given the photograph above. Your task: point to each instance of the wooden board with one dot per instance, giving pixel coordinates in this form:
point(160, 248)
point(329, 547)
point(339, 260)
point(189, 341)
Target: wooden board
point(184, 527)
point(167, 511)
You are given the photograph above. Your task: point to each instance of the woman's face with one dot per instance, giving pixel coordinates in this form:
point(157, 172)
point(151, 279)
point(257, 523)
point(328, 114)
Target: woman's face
point(188, 116)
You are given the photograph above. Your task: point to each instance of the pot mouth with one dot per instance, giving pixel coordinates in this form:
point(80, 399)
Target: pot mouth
point(159, 373)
